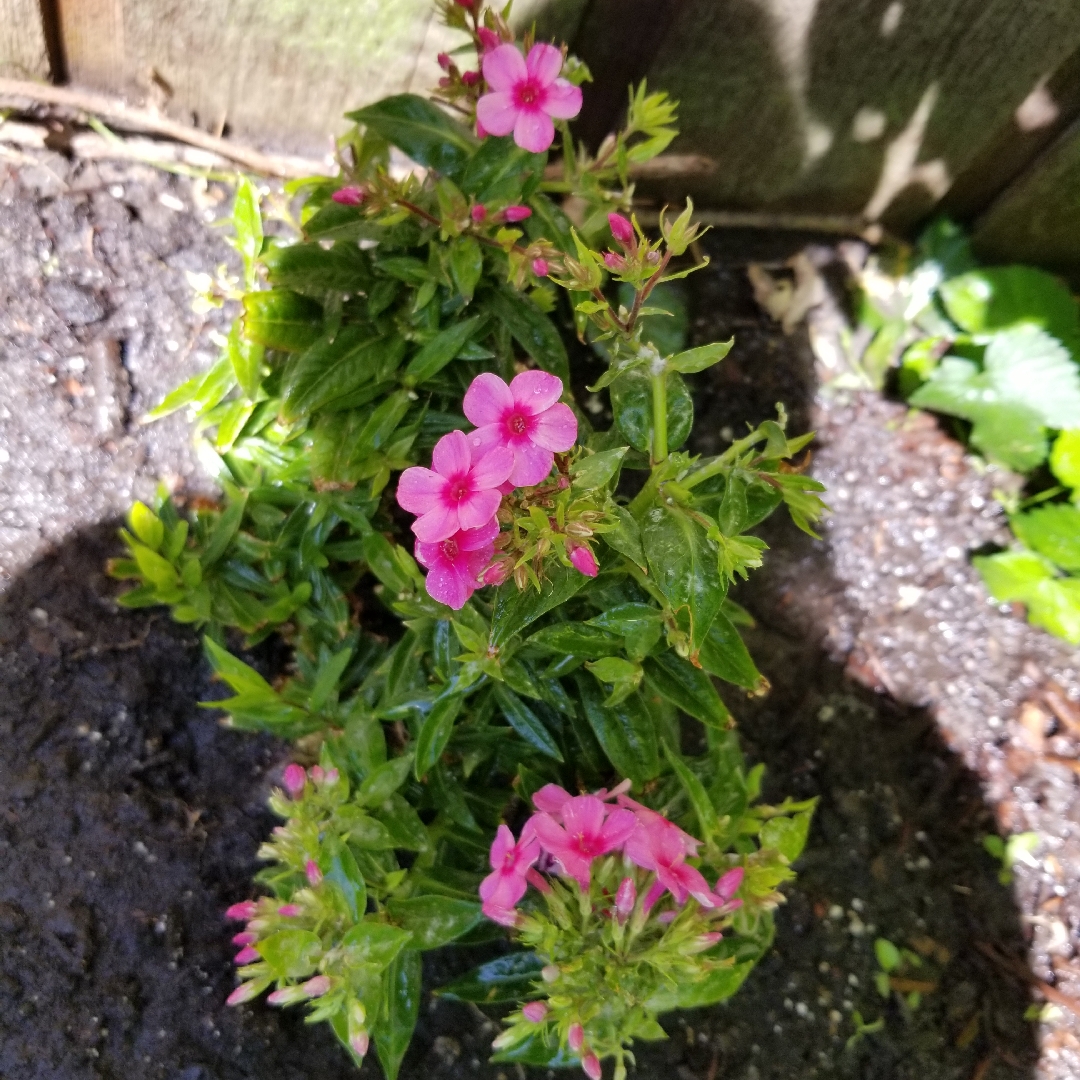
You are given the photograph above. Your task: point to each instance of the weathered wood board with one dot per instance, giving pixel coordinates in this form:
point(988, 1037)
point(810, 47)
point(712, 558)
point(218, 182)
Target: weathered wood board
point(23, 53)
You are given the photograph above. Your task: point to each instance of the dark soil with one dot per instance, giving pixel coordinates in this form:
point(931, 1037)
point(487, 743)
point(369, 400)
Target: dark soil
point(130, 818)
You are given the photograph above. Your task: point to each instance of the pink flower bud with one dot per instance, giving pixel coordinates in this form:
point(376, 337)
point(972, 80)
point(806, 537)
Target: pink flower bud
point(575, 1037)
point(537, 880)
point(314, 874)
point(318, 986)
point(710, 939)
point(289, 911)
point(584, 561)
point(243, 911)
point(444, 61)
point(465, 3)
point(727, 885)
point(517, 213)
point(349, 196)
point(247, 955)
point(652, 258)
point(540, 267)
point(294, 780)
point(615, 263)
point(591, 1064)
point(497, 572)
point(666, 917)
point(332, 777)
point(245, 939)
point(244, 992)
point(360, 1043)
point(625, 898)
point(287, 995)
point(317, 774)
point(621, 229)
point(478, 213)
point(470, 78)
point(488, 38)
point(535, 1011)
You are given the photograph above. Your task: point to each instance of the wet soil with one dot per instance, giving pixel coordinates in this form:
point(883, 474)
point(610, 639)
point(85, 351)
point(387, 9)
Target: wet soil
point(129, 819)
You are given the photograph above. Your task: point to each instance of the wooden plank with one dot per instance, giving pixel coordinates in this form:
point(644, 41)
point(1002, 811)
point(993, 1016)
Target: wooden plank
point(92, 32)
point(835, 105)
point(1037, 219)
point(23, 52)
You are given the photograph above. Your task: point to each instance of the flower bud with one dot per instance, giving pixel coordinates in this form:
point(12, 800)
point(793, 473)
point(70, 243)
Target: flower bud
point(349, 196)
point(332, 777)
point(287, 995)
point(294, 779)
point(517, 213)
point(317, 986)
point(584, 561)
point(521, 578)
point(314, 874)
point(550, 973)
point(497, 572)
point(575, 1037)
point(470, 78)
point(246, 955)
point(540, 267)
point(578, 529)
point(621, 229)
point(535, 1011)
point(317, 774)
point(444, 61)
point(289, 911)
point(727, 885)
point(243, 911)
point(478, 213)
point(245, 939)
point(591, 1064)
point(360, 1043)
point(653, 258)
point(488, 38)
point(615, 263)
point(357, 1014)
point(625, 898)
point(244, 992)
point(465, 3)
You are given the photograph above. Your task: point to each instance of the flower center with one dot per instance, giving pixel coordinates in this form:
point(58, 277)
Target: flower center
point(450, 549)
point(458, 490)
point(517, 424)
point(528, 93)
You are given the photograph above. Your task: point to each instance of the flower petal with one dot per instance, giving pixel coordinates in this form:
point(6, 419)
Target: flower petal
point(562, 100)
point(428, 555)
point(477, 509)
point(419, 490)
point(544, 63)
point(477, 539)
point(452, 456)
point(551, 835)
point(476, 562)
point(501, 846)
point(551, 798)
point(496, 114)
point(439, 523)
point(533, 130)
point(583, 816)
point(555, 429)
point(534, 391)
point(447, 583)
point(532, 464)
point(617, 829)
point(489, 471)
point(488, 399)
point(504, 68)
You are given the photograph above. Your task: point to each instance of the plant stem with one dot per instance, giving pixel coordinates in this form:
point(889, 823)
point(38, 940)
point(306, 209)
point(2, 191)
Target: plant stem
point(718, 464)
point(659, 412)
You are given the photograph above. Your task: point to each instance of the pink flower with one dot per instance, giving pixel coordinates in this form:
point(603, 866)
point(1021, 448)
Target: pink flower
point(478, 213)
point(294, 780)
point(460, 491)
point(506, 884)
point(535, 1011)
point(621, 229)
point(317, 774)
point(625, 898)
point(243, 911)
point(591, 1064)
point(584, 560)
point(314, 874)
point(661, 846)
point(727, 885)
point(540, 267)
point(575, 1037)
point(488, 38)
point(525, 417)
point(526, 94)
point(550, 799)
point(246, 955)
point(454, 565)
point(244, 992)
point(517, 213)
point(349, 196)
point(584, 834)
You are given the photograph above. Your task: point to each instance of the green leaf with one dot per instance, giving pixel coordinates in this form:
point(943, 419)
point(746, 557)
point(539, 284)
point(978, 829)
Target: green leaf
point(374, 944)
point(334, 367)
point(242, 678)
point(338, 865)
point(526, 723)
point(639, 625)
point(1065, 458)
point(620, 674)
point(403, 824)
point(327, 679)
point(682, 561)
point(696, 793)
point(225, 528)
point(700, 358)
point(541, 1049)
point(422, 130)
point(434, 921)
point(888, 955)
point(724, 654)
point(247, 224)
point(146, 525)
point(666, 333)
point(625, 538)
point(598, 470)
point(394, 1026)
point(625, 731)
point(514, 609)
point(576, 639)
point(985, 301)
point(1053, 531)
point(687, 688)
point(787, 834)
point(1052, 602)
point(384, 781)
point(313, 270)
point(442, 348)
point(435, 734)
point(282, 319)
point(466, 264)
point(498, 170)
point(291, 954)
point(531, 328)
point(715, 987)
point(507, 978)
point(631, 403)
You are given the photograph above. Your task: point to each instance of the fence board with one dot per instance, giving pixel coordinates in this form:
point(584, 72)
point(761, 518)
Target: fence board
point(23, 53)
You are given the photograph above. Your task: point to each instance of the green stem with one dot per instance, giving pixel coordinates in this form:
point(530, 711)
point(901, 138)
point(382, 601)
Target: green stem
point(659, 415)
point(718, 464)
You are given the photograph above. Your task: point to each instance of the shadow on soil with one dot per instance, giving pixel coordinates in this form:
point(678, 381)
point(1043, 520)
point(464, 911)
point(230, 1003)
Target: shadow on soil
point(129, 819)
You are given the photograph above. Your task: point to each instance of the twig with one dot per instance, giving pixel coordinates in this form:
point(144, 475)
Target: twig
point(1022, 972)
point(134, 119)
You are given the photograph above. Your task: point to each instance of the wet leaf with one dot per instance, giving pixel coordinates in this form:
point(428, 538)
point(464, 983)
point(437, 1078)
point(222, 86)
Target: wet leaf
point(422, 130)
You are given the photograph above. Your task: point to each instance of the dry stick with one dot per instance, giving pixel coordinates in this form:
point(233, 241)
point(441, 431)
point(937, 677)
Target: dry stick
point(1021, 971)
point(123, 115)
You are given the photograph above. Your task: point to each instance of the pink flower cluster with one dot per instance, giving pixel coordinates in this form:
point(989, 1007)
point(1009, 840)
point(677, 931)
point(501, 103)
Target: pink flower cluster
point(519, 430)
point(571, 830)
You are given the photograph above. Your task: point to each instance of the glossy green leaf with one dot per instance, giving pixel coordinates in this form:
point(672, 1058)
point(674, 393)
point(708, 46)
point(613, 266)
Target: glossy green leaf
point(402, 823)
point(715, 987)
point(542, 1050)
point(466, 264)
point(696, 793)
point(313, 270)
point(282, 319)
point(384, 781)
point(338, 865)
point(224, 530)
point(291, 954)
point(787, 834)
point(700, 358)
point(625, 538)
point(507, 978)
point(422, 130)
point(576, 639)
point(515, 609)
point(435, 733)
point(639, 625)
point(1065, 458)
point(631, 403)
point(393, 1028)
point(242, 678)
point(434, 921)
point(625, 731)
point(1053, 531)
point(1052, 602)
point(442, 348)
point(146, 525)
point(247, 225)
point(598, 470)
point(374, 944)
point(724, 654)
point(687, 688)
point(531, 329)
point(526, 723)
point(246, 359)
point(496, 172)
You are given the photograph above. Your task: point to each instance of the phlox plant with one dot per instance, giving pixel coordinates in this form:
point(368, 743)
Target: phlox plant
point(490, 603)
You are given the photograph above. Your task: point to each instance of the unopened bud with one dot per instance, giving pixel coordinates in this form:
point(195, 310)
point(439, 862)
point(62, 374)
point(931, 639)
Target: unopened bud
point(534, 1011)
point(584, 561)
point(318, 986)
point(543, 546)
point(652, 258)
point(465, 3)
point(488, 38)
point(517, 213)
point(360, 1043)
point(478, 213)
point(575, 1037)
point(444, 61)
point(521, 578)
point(540, 267)
point(470, 78)
point(243, 911)
point(621, 229)
point(289, 911)
point(615, 263)
point(550, 973)
point(357, 1013)
point(314, 874)
point(578, 529)
point(498, 572)
point(317, 774)
point(244, 992)
point(626, 897)
point(287, 995)
point(332, 777)
point(246, 955)
point(245, 938)
point(349, 196)
point(591, 1065)
point(294, 780)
